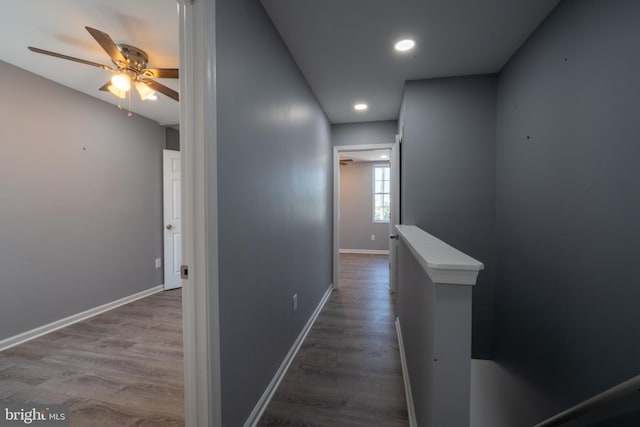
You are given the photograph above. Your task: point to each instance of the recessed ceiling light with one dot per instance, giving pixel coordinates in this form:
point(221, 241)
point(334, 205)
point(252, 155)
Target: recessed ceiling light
point(404, 45)
point(360, 107)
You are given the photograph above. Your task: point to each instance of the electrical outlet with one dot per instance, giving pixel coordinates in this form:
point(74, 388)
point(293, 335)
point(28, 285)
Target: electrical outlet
point(373, 237)
point(295, 302)
point(158, 262)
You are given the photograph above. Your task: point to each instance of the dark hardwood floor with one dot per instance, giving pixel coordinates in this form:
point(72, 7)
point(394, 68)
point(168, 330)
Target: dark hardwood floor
point(348, 371)
point(120, 368)
point(125, 367)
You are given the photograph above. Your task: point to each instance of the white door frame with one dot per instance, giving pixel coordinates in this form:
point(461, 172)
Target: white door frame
point(395, 214)
point(198, 144)
point(393, 159)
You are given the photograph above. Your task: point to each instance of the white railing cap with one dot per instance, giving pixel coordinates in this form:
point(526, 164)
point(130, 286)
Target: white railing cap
point(443, 263)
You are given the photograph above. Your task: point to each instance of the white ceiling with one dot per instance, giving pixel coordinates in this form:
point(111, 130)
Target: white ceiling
point(343, 47)
point(151, 25)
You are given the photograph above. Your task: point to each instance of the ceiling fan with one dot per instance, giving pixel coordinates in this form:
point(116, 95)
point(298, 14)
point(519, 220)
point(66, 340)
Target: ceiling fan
point(130, 68)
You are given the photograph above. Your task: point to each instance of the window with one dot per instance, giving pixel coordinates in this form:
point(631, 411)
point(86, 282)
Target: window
point(381, 193)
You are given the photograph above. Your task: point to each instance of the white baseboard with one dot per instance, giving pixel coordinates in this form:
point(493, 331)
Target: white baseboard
point(257, 412)
point(67, 321)
point(405, 374)
point(365, 251)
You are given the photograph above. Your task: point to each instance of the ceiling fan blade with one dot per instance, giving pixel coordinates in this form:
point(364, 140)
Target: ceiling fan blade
point(69, 58)
point(109, 46)
point(162, 89)
point(161, 73)
point(105, 87)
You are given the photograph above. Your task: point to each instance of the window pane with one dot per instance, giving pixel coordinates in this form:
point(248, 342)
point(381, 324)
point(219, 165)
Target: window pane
point(378, 173)
point(381, 190)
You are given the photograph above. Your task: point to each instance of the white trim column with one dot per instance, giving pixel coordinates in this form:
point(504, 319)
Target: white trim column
point(198, 142)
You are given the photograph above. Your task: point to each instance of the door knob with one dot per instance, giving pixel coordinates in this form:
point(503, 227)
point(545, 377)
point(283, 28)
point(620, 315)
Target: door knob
point(394, 236)
point(169, 227)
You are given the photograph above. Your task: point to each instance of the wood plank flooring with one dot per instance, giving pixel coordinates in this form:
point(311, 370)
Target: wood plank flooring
point(348, 371)
point(120, 368)
point(125, 367)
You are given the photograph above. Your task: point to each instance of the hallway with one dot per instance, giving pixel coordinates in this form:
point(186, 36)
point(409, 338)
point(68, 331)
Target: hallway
point(347, 372)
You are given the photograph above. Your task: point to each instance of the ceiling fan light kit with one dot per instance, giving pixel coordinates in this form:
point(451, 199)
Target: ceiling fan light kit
point(145, 91)
point(130, 68)
point(121, 81)
point(122, 94)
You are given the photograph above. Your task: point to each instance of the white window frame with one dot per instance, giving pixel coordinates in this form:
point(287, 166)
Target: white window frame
point(373, 192)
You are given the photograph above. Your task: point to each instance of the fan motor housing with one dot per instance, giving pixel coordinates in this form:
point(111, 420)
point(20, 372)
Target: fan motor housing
point(137, 59)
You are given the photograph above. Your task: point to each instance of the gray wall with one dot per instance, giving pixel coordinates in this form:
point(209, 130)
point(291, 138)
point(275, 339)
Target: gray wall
point(448, 177)
point(382, 132)
point(501, 398)
point(356, 209)
point(80, 202)
point(275, 193)
point(568, 181)
point(172, 139)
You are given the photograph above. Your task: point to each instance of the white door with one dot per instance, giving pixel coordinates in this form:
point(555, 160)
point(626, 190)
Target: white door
point(172, 219)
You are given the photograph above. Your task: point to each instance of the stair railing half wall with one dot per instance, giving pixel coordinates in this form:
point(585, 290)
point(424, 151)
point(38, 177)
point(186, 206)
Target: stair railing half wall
point(433, 305)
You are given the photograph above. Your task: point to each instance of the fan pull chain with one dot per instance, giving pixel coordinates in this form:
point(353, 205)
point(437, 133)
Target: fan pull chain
point(130, 113)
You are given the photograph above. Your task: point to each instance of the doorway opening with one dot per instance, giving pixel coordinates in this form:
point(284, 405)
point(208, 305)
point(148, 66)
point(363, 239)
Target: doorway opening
point(365, 203)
